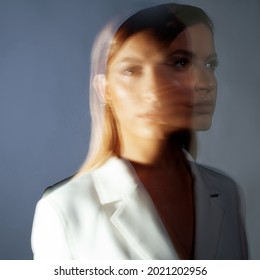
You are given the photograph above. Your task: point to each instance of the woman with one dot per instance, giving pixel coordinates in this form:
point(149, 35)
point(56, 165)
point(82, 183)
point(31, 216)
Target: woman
point(139, 194)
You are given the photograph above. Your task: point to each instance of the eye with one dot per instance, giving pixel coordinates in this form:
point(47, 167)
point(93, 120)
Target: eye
point(131, 71)
point(180, 63)
point(211, 65)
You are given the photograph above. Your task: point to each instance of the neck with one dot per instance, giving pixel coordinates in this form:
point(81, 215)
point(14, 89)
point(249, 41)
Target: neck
point(149, 152)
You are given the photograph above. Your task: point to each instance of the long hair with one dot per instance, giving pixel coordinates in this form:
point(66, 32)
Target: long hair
point(166, 22)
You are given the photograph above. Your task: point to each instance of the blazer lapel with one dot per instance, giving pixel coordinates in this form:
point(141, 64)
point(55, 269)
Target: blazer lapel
point(132, 212)
point(139, 224)
point(209, 215)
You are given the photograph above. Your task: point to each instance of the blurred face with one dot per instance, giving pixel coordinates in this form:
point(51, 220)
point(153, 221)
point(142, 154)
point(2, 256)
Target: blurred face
point(155, 90)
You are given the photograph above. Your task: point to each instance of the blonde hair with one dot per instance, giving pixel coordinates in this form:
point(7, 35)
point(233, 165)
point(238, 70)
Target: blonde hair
point(104, 141)
point(167, 21)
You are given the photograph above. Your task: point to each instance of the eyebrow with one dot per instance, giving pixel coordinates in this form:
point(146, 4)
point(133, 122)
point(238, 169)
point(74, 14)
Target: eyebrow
point(129, 59)
point(189, 54)
point(182, 52)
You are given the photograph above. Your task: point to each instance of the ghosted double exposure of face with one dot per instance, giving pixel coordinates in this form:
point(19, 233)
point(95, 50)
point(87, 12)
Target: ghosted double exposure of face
point(155, 90)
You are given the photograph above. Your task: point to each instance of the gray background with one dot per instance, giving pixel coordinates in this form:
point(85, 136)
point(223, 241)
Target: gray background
point(44, 118)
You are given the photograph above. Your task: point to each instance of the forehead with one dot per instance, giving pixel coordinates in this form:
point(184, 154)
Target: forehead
point(197, 39)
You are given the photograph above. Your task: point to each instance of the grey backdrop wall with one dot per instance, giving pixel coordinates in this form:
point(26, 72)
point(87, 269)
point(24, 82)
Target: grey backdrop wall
point(44, 119)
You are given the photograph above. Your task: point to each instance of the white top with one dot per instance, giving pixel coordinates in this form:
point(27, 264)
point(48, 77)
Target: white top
point(108, 214)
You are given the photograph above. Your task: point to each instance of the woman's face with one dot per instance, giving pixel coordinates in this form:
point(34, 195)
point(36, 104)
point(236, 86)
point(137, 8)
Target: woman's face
point(155, 90)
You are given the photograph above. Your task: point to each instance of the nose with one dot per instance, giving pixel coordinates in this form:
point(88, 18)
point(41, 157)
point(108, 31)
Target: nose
point(204, 80)
point(154, 83)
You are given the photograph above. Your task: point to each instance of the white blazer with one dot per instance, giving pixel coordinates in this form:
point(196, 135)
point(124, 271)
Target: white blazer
point(107, 214)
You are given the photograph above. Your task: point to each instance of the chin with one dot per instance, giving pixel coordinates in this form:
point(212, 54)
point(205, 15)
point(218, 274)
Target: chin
point(202, 125)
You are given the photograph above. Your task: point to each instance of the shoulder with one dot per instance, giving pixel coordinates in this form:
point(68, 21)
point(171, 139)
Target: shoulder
point(218, 182)
point(70, 194)
point(70, 184)
point(215, 180)
point(214, 175)
point(64, 214)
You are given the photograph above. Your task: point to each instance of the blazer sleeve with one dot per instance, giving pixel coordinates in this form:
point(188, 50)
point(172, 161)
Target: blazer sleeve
point(242, 215)
point(49, 240)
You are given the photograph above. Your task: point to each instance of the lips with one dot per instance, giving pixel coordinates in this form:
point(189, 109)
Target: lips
point(203, 107)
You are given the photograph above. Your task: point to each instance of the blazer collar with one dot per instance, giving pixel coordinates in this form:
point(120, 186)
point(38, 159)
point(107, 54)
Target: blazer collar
point(114, 180)
point(131, 211)
point(123, 196)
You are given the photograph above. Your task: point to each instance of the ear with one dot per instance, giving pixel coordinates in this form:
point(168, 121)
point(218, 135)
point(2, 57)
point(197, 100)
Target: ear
point(99, 84)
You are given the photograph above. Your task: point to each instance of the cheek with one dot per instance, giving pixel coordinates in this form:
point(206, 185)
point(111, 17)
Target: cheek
point(180, 89)
point(117, 87)
point(122, 99)
point(117, 90)
point(130, 96)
